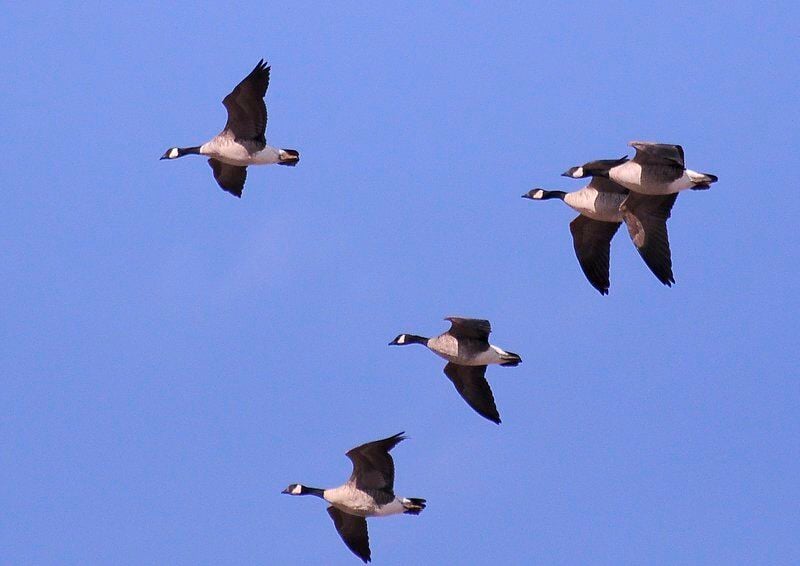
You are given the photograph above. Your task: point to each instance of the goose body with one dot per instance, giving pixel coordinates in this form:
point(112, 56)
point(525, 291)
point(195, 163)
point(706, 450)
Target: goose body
point(368, 493)
point(603, 205)
point(466, 348)
point(656, 169)
point(242, 142)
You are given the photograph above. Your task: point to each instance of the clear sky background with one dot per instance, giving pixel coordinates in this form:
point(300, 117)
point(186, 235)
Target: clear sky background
point(173, 357)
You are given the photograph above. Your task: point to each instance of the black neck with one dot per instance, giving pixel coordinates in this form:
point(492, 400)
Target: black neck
point(188, 151)
point(313, 491)
point(414, 339)
point(553, 194)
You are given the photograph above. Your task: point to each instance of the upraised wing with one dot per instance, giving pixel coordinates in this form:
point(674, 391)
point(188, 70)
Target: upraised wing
point(649, 153)
point(474, 328)
point(373, 466)
point(247, 113)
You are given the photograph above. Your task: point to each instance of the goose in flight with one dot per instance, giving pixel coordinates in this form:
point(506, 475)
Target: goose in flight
point(368, 493)
point(602, 206)
point(466, 348)
point(656, 169)
point(241, 143)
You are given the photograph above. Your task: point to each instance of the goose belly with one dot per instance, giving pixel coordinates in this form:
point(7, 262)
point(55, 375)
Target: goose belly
point(266, 156)
point(392, 508)
point(467, 357)
point(596, 205)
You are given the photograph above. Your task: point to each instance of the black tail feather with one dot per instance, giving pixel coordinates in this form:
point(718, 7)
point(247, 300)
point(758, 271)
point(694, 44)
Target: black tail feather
point(512, 360)
point(291, 157)
point(414, 505)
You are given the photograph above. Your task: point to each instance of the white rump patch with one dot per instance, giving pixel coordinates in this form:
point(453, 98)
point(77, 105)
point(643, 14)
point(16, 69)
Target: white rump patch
point(173, 153)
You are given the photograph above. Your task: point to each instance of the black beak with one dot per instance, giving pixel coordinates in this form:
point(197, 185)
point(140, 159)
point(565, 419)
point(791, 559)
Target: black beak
point(526, 195)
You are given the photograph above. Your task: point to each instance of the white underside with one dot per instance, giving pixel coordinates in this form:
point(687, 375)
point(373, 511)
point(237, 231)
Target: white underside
point(234, 153)
point(491, 356)
point(351, 500)
point(595, 204)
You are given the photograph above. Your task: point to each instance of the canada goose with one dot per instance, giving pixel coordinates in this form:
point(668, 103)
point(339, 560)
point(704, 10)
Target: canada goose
point(466, 348)
point(241, 142)
point(656, 169)
point(368, 493)
point(603, 205)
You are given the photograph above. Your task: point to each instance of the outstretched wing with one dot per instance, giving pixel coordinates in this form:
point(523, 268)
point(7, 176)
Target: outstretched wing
point(474, 389)
point(373, 466)
point(230, 177)
point(592, 242)
point(247, 113)
point(646, 218)
point(353, 530)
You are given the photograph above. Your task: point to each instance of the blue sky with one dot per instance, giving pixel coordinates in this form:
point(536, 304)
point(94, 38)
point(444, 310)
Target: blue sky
point(173, 357)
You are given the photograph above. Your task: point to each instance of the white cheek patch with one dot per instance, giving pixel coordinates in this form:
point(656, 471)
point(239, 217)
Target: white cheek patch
point(578, 173)
point(297, 489)
point(173, 153)
point(402, 339)
point(538, 194)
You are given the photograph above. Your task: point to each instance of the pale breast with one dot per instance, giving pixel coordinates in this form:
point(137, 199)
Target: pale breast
point(351, 500)
point(595, 204)
point(629, 175)
point(445, 346)
point(227, 150)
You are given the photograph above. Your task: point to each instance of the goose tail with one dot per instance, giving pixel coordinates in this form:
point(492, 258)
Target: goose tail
point(510, 359)
point(701, 180)
point(413, 505)
point(289, 157)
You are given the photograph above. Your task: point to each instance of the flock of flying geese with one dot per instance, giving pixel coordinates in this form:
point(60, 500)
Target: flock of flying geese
point(639, 191)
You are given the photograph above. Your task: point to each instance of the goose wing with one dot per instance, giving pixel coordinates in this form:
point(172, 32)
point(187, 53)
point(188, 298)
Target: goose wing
point(471, 384)
point(474, 328)
point(373, 466)
point(230, 177)
point(592, 242)
point(247, 113)
point(353, 530)
point(606, 185)
point(646, 218)
point(649, 153)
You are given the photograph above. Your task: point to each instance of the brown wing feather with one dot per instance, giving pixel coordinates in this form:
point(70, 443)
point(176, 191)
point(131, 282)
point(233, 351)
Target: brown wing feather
point(646, 218)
